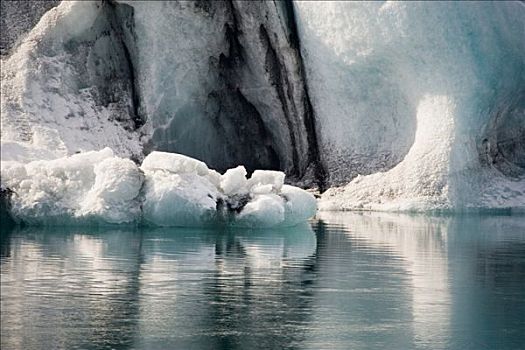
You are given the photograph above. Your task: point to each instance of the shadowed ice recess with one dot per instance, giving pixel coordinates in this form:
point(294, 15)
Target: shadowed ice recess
point(389, 106)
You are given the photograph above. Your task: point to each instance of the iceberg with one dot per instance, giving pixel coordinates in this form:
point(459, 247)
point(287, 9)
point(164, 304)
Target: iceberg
point(168, 189)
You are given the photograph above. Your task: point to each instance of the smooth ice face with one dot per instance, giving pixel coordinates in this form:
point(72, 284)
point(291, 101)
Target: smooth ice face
point(167, 190)
point(423, 100)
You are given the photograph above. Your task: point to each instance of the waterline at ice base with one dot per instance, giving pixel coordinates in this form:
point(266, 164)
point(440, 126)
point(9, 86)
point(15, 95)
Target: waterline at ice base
point(389, 106)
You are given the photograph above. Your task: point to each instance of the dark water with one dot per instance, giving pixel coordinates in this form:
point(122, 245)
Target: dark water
point(347, 281)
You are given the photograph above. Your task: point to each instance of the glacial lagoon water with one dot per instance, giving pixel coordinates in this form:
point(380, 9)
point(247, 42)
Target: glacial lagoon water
point(342, 281)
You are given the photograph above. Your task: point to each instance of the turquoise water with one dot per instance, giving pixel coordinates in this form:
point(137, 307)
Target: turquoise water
point(344, 281)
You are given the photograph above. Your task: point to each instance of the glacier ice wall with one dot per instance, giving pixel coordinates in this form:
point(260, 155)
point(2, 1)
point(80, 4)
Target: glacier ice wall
point(405, 106)
point(426, 97)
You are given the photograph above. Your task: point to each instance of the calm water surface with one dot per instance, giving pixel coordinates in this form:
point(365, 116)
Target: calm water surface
point(345, 281)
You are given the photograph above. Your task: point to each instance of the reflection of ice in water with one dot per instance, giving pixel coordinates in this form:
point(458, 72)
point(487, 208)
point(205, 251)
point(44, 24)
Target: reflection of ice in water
point(363, 281)
point(421, 242)
point(228, 283)
point(134, 287)
point(60, 278)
